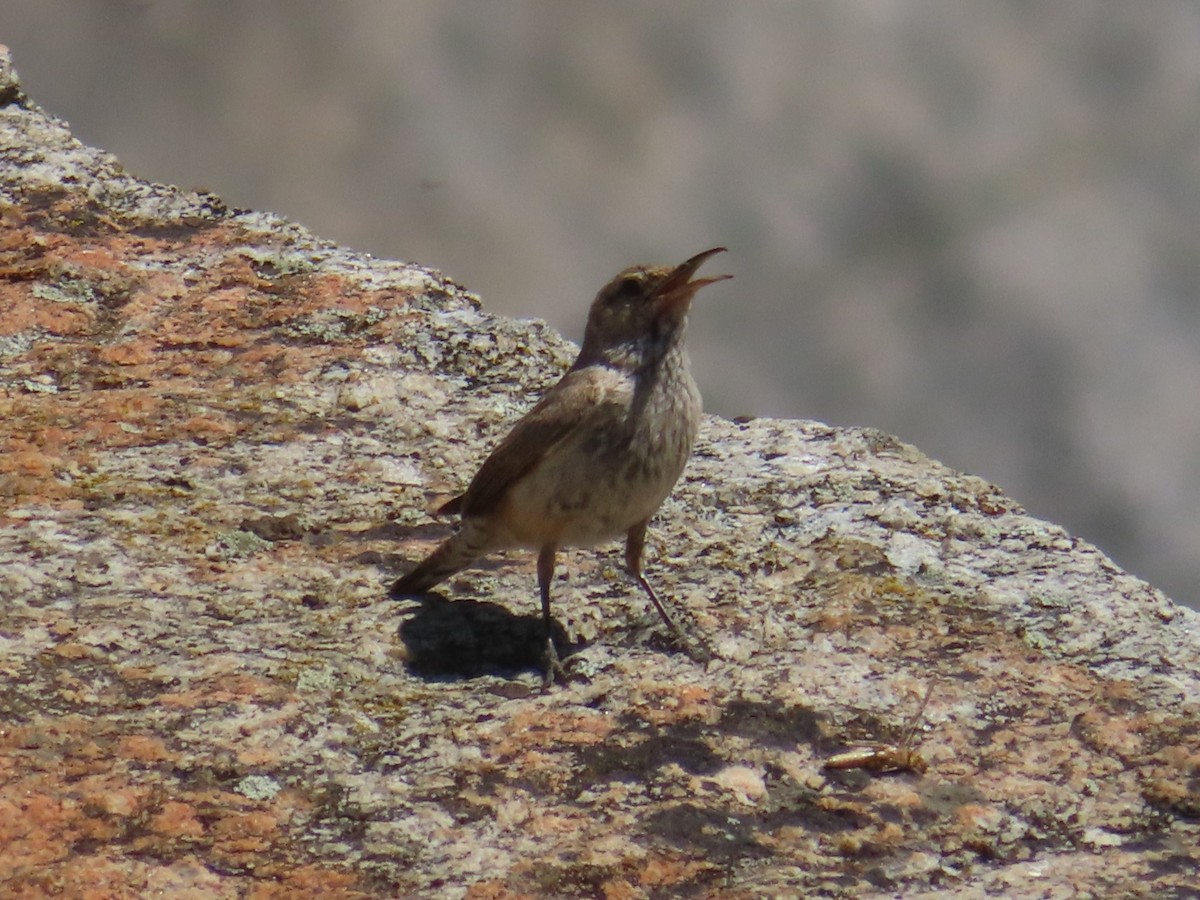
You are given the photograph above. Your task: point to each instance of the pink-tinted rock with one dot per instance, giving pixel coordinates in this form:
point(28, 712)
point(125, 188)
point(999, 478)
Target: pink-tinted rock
point(220, 439)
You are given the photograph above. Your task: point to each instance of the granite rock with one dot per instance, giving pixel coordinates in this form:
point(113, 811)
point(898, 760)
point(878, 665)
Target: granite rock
point(221, 438)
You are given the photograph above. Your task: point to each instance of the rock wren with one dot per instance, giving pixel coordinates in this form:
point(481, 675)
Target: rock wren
point(598, 454)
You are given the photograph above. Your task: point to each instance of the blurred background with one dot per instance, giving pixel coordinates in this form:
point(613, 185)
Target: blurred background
point(972, 223)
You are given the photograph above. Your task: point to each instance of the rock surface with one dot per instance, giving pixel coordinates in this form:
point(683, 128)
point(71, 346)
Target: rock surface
point(220, 441)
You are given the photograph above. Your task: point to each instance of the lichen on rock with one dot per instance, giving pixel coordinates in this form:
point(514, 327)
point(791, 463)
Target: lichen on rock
point(222, 438)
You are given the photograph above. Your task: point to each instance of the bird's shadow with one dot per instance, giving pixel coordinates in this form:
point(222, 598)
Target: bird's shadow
point(458, 639)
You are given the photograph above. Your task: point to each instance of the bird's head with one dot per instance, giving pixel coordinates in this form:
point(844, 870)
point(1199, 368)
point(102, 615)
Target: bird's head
point(644, 306)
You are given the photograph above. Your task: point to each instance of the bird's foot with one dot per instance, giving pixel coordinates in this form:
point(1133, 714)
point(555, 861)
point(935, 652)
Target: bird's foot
point(553, 668)
point(694, 647)
point(689, 640)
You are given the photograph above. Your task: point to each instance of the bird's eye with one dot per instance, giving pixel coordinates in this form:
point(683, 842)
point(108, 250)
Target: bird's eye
point(626, 289)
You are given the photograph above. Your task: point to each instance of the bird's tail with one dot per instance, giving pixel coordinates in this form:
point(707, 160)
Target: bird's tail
point(453, 555)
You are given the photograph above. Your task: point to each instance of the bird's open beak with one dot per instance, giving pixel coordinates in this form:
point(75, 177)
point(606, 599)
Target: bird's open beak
point(674, 293)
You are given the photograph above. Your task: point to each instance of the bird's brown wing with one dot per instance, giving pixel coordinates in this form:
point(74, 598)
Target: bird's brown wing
point(585, 400)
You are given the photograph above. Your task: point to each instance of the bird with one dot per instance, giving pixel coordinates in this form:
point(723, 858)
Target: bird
point(598, 454)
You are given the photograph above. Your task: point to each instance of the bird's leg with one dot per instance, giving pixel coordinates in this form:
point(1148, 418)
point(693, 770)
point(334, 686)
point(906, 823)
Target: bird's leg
point(545, 571)
point(634, 542)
